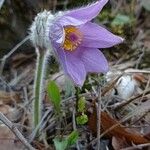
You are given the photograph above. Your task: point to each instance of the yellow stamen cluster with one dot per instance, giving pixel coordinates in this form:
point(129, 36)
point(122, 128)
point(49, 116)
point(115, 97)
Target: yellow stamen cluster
point(73, 38)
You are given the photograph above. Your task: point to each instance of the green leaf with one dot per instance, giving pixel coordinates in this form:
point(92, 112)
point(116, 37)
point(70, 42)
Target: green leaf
point(54, 95)
point(81, 120)
point(64, 143)
point(146, 4)
point(72, 138)
point(121, 20)
point(60, 144)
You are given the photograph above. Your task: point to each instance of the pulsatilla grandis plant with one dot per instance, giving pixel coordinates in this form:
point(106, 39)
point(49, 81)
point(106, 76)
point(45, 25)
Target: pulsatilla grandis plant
point(74, 40)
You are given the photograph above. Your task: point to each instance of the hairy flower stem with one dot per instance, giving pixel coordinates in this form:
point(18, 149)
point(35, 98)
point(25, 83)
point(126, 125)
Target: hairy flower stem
point(39, 85)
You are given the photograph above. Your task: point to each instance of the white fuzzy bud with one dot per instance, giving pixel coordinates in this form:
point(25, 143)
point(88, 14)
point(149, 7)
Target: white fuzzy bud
point(40, 28)
point(45, 28)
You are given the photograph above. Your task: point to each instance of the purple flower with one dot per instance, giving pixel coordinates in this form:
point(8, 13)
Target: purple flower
point(76, 41)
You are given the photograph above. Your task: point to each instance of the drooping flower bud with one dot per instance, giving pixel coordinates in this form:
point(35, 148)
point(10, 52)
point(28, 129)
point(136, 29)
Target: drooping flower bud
point(39, 30)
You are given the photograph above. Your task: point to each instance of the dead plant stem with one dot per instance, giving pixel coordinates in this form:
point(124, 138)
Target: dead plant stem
point(18, 134)
point(99, 119)
point(10, 53)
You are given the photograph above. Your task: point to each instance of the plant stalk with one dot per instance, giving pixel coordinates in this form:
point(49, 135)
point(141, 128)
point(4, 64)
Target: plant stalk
point(39, 83)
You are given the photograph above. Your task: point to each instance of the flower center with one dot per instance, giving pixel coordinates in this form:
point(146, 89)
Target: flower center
point(73, 38)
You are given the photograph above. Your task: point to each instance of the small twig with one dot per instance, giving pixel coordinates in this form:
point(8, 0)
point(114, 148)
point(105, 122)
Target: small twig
point(74, 126)
point(140, 146)
point(98, 95)
point(140, 59)
point(147, 86)
point(3, 60)
point(74, 113)
point(99, 119)
point(87, 95)
point(137, 71)
point(25, 94)
point(11, 126)
point(8, 88)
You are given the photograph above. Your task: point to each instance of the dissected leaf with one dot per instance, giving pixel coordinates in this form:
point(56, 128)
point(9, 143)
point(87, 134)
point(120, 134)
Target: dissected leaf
point(82, 119)
point(72, 138)
point(81, 105)
point(54, 95)
point(60, 144)
point(64, 143)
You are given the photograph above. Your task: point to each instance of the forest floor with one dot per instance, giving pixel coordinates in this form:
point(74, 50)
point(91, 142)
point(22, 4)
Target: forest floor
point(110, 111)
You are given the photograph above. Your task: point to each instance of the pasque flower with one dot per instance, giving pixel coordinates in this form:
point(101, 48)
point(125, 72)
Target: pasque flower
point(75, 40)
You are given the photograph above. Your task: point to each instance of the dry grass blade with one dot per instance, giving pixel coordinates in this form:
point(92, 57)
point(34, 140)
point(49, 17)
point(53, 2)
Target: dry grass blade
point(137, 71)
point(110, 85)
point(124, 103)
point(10, 53)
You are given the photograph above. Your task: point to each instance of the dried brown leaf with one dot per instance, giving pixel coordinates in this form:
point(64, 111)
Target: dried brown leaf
point(119, 143)
point(5, 109)
point(119, 131)
point(9, 97)
point(7, 139)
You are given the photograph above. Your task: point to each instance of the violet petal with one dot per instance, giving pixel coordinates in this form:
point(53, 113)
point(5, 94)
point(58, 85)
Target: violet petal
point(72, 65)
point(87, 13)
point(94, 60)
point(98, 37)
point(67, 20)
